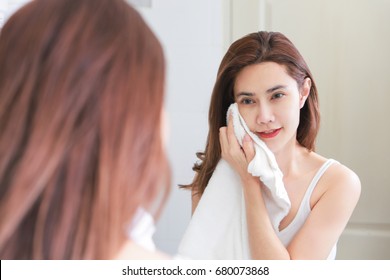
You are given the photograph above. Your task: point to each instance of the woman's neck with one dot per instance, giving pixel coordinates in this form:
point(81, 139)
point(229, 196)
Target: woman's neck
point(288, 159)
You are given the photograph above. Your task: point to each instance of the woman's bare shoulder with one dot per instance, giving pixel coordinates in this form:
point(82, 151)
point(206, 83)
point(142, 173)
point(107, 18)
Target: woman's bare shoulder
point(339, 180)
point(342, 181)
point(337, 174)
point(341, 175)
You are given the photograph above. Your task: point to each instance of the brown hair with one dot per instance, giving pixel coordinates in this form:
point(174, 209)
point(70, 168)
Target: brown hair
point(81, 96)
point(253, 49)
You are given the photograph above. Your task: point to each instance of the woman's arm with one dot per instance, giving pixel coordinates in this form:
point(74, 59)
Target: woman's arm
point(263, 242)
point(325, 223)
point(329, 215)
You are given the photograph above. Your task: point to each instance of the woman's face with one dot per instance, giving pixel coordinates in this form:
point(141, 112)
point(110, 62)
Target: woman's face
point(269, 100)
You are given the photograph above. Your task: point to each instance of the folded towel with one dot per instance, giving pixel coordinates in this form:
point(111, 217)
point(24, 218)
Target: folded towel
point(218, 228)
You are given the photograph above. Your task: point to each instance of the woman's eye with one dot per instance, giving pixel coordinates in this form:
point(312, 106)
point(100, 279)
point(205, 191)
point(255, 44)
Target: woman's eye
point(246, 101)
point(277, 95)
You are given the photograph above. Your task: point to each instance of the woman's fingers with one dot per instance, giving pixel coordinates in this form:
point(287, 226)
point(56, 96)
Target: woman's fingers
point(230, 146)
point(223, 139)
point(231, 150)
point(231, 135)
point(248, 147)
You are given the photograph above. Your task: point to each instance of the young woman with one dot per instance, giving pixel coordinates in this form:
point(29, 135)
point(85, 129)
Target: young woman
point(81, 106)
point(277, 97)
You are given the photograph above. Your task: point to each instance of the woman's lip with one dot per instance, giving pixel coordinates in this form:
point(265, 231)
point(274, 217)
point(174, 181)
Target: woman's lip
point(269, 133)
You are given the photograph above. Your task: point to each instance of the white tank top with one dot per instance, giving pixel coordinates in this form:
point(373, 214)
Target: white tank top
point(287, 234)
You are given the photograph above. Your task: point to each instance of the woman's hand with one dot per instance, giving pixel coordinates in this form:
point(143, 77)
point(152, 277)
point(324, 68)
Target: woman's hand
point(237, 157)
point(263, 242)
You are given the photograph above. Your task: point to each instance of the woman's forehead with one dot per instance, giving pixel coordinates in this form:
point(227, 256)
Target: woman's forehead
point(262, 77)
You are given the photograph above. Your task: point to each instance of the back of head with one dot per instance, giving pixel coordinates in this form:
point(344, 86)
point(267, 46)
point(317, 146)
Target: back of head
point(81, 96)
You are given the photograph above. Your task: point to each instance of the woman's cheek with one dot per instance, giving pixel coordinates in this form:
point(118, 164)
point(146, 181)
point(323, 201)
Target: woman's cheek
point(249, 117)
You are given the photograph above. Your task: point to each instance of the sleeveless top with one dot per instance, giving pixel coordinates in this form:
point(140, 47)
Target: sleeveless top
point(287, 234)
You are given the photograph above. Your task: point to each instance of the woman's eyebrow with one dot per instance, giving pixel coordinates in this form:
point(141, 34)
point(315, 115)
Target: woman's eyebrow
point(277, 87)
point(244, 93)
point(270, 90)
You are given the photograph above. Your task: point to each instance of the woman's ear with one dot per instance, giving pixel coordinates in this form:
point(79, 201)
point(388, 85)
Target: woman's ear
point(304, 92)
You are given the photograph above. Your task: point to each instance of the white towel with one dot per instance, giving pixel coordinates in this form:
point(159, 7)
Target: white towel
point(142, 228)
point(218, 228)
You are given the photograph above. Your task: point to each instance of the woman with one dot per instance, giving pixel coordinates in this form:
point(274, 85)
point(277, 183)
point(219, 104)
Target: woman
point(81, 106)
point(277, 97)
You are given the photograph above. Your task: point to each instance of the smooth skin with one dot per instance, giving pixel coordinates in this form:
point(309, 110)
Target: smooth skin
point(269, 99)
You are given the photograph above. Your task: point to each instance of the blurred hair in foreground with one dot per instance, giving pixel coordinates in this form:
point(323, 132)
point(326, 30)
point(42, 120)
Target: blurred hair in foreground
point(81, 100)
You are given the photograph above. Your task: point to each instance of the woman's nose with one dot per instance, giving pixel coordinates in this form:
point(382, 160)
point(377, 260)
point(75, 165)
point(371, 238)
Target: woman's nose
point(264, 114)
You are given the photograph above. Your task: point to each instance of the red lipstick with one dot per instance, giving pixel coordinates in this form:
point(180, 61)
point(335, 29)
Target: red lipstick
point(269, 133)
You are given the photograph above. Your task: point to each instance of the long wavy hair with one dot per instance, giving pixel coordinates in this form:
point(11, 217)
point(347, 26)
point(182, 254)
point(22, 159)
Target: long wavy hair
point(252, 49)
point(81, 98)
